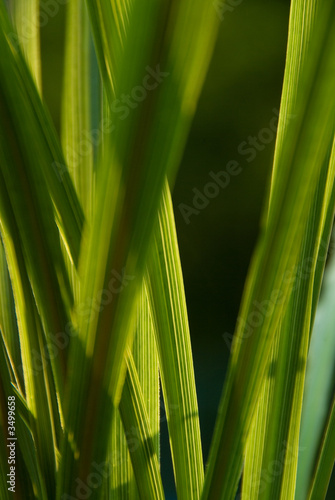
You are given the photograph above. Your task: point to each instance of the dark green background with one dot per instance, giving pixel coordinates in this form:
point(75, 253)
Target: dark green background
point(242, 89)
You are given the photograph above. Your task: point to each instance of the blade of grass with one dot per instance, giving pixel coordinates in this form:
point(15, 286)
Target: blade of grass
point(287, 367)
point(274, 257)
point(146, 363)
point(8, 321)
point(36, 230)
point(284, 409)
point(109, 21)
point(33, 236)
point(254, 475)
point(76, 113)
point(25, 16)
point(37, 138)
point(33, 347)
point(25, 441)
point(120, 482)
point(44, 431)
point(167, 297)
point(24, 163)
point(132, 438)
point(125, 435)
point(76, 129)
point(143, 455)
point(128, 197)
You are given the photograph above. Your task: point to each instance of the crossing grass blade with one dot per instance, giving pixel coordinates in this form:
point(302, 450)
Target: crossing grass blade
point(146, 362)
point(143, 455)
point(276, 260)
point(128, 193)
point(133, 444)
point(168, 304)
point(76, 128)
point(36, 138)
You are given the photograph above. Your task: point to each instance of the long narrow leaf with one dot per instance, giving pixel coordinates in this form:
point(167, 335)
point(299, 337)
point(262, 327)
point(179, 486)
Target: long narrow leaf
point(143, 455)
point(269, 282)
point(25, 442)
point(37, 138)
point(165, 284)
point(33, 347)
point(128, 195)
point(25, 15)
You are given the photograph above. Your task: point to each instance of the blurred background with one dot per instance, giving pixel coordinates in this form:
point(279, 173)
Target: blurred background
point(240, 99)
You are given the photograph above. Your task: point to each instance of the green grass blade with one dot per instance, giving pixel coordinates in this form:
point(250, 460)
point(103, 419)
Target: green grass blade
point(76, 133)
point(142, 453)
point(325, 460)
point(125, 434)
point(25, 443)
point(255, 477)
point(33, 348)
point(25, 16)
point(120, 482)
point(26, 156)
point(301, 161)
point(129, 188)
point(36, 137)
point(109, 21)
point(32, 213)
point(166, 289)
point(287, 367)
point(133, 442)
point(8, 322)
point(76, 117)
point(146, 361)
